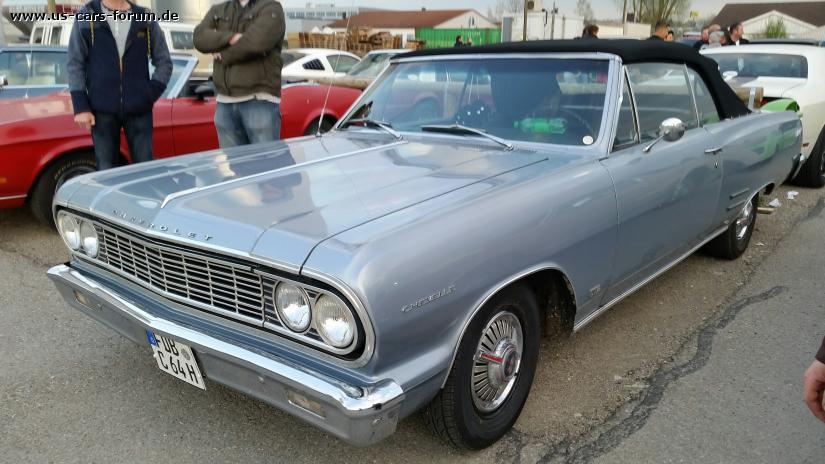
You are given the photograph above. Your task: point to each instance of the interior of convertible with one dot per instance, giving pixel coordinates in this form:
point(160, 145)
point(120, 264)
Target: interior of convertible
point(559, 101)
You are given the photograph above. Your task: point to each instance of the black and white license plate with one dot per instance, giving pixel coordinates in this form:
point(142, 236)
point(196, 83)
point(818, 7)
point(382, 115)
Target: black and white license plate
point(176, 359)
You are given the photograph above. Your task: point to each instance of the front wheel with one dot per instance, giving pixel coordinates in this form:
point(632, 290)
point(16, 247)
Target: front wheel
point(734, 241)
point(492, 373)
point(53, 177)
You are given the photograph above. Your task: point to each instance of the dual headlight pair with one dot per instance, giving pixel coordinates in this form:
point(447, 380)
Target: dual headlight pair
point(79, 235)
point(333, 320)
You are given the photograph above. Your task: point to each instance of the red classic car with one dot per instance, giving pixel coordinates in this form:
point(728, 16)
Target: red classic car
point(41, 147)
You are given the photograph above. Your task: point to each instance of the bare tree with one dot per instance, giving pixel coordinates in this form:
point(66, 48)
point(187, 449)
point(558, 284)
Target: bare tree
point(585, 10)
point(505, 6)
point(650, 11)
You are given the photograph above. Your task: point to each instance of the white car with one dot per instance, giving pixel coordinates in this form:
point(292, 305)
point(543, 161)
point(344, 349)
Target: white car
point(785, 71)
point(306, 64)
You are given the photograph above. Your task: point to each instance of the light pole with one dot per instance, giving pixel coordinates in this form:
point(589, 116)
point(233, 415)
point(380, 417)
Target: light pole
point(624, 18)
point(524, 32)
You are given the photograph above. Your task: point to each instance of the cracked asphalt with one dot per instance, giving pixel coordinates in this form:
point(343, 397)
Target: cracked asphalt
point(702, 365)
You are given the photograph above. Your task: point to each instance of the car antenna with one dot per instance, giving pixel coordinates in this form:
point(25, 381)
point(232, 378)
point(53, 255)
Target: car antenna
point(329, 86)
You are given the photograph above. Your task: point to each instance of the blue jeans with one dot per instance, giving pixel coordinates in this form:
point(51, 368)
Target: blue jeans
point(106, 137)
point(253, 121)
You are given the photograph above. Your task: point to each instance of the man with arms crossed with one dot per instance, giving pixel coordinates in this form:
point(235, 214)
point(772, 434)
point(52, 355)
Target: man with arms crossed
point(245, 37)
point(109, 78)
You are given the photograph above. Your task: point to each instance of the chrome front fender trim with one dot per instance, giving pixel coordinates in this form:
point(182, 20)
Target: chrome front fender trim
point(495, 290)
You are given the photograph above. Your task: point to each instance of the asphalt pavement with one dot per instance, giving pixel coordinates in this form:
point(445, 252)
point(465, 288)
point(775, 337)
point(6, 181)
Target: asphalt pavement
point(702, 365)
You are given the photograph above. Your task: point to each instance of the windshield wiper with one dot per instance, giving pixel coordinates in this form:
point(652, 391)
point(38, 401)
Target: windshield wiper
point(366, 122)
point(458, 129)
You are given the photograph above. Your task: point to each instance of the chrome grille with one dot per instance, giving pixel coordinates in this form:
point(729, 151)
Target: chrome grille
point(209, 282)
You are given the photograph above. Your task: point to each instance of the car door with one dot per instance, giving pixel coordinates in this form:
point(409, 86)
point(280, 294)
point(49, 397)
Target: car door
point(667, 192)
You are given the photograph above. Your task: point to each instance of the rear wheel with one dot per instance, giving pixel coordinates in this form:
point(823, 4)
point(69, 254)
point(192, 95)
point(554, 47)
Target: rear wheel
point(813, 171)
point(492, 373)
point(734, 241)
point(53, 177)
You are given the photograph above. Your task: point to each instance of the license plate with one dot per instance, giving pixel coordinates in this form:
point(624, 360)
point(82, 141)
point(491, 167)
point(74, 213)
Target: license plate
point(176, 359)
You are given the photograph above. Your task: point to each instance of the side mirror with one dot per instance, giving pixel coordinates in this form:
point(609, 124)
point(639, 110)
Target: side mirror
point(728, 75)
point(671, 130)
point(3, 81)
point(204, 90)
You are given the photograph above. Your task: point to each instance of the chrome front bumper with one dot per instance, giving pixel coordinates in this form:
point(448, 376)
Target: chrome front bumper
point(358, 414)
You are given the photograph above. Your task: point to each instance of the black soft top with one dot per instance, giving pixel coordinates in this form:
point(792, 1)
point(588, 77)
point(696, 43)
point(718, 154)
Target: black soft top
point(630, 51)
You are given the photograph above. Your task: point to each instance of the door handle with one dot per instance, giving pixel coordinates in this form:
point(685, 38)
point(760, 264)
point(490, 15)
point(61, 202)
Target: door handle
point(713, 151)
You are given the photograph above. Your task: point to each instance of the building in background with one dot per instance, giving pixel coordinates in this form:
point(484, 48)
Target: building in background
point(407, 24)
point(318, 15)
point(800, 19)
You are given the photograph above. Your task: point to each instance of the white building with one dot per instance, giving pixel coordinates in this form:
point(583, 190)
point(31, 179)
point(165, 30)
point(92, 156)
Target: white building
point(799, 18)
point(405, 23)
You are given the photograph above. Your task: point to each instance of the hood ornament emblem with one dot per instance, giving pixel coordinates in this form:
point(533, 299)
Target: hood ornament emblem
point(171, 230)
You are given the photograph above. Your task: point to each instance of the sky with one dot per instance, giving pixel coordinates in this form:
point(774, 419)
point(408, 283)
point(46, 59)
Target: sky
point(605, 9)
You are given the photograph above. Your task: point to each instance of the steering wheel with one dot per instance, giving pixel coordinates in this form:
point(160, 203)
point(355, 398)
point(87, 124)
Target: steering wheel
point(578, 119)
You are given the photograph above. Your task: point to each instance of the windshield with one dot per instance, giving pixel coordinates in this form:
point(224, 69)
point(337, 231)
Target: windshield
point(371, 65)
point(762, 64)
point(545, 100)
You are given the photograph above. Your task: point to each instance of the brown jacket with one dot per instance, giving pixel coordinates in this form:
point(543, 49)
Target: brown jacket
point(253, 64)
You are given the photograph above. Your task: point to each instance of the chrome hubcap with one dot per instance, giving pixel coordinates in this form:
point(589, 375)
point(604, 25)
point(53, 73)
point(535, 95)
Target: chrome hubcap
point(744, 221)
point(497, 361)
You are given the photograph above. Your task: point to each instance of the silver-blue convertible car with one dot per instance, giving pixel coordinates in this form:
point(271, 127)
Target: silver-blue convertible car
point(471, 201)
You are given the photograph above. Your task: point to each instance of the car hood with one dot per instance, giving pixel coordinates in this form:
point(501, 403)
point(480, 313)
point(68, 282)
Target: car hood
point(774, 87)
point(278, 201)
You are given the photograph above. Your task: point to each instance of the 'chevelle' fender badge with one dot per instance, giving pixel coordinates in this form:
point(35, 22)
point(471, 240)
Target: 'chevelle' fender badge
point(427, 300)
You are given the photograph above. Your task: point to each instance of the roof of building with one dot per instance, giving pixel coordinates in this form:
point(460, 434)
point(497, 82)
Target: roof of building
point(414, 19)
point(812, 12)
point(630, 51)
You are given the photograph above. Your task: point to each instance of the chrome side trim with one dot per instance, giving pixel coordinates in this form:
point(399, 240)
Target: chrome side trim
point(13, 197)
point(739, 193)
point(194, 190)
point(494, 292)
point(592, 316)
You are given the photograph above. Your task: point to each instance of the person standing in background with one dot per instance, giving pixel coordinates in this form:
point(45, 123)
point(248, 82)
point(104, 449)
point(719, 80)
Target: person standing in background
point(660, 31)
point(109, 82)
point(591, 31)
point(245, 37)
point(735, 32)
point(458, 42)
point(702, 43)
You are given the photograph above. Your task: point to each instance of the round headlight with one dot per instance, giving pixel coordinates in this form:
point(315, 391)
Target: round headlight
point(69, 230)
point(334, 322)
point(89, 240)
point(293, 307)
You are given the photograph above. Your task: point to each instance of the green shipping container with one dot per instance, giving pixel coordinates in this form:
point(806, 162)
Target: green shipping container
point(445, 38)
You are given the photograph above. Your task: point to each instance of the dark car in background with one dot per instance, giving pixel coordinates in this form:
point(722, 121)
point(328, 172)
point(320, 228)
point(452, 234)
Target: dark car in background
point(32, 70)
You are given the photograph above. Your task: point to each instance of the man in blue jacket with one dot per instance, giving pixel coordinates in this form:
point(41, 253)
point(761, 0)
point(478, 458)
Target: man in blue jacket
point(110, 48)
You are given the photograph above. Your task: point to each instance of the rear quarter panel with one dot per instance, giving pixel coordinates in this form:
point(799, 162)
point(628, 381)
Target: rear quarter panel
point(758, 150)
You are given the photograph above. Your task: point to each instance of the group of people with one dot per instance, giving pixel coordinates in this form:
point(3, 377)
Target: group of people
point(715, 36)
point(661, 31)
point(459, 42)
point(111, 88)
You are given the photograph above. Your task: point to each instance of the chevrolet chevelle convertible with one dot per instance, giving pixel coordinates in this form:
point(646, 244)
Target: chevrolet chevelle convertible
point(470, 202)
